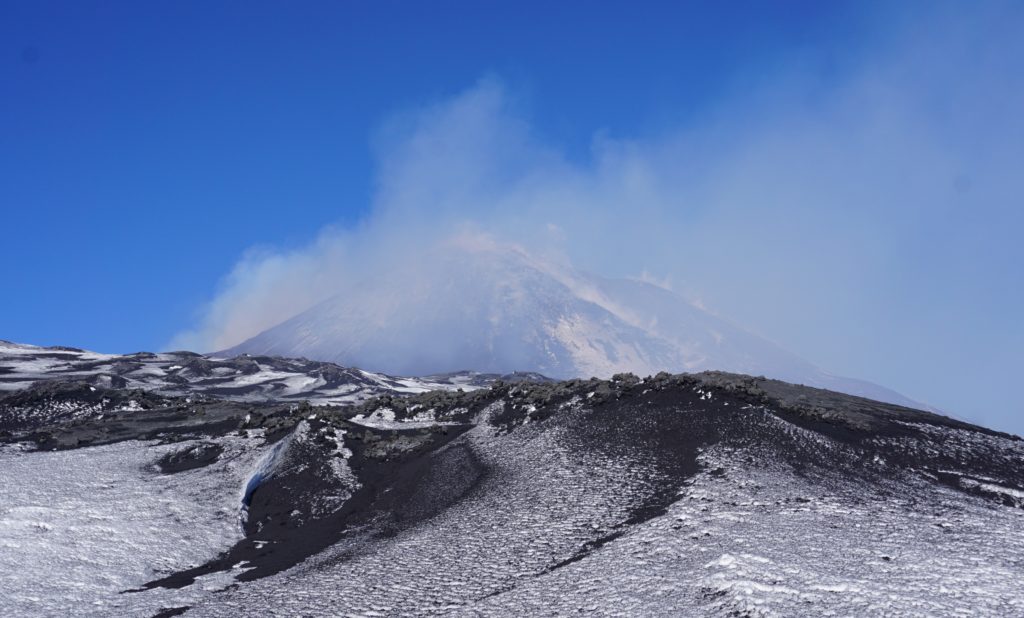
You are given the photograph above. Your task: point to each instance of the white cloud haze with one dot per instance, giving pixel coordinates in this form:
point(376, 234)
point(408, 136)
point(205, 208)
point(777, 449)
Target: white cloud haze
point(868, 222)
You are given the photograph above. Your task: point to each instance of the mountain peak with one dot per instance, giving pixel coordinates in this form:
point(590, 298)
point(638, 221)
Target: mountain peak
point(496, 308)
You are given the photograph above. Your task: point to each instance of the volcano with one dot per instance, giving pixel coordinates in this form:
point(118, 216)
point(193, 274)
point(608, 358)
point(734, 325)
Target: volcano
point(498, 309)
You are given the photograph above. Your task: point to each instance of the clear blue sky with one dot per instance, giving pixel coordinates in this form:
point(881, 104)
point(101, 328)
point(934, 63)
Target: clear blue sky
point(145, 145)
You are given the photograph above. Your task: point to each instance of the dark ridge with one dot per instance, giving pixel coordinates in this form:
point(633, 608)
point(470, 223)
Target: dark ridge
point(190, 458)
point(55, 355)
point(818, 404)
point(169, 612)
point(55, 401)
point(399, 487)
point(184, 354)
point(667, 441)
point(171, 424)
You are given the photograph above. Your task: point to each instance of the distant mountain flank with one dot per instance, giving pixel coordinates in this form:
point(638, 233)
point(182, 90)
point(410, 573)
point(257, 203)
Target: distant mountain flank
point(498, 310)
point(57, 374)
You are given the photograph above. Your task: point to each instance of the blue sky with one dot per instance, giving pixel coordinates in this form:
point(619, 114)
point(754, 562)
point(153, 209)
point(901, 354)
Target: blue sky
point(146, 147)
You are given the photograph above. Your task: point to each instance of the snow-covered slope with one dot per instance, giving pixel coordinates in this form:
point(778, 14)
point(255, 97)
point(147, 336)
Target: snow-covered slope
point(693, 495)
point(497, 309)
point(245, 378)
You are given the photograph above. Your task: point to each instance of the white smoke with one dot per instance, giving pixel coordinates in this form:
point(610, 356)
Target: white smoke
point(868, 221)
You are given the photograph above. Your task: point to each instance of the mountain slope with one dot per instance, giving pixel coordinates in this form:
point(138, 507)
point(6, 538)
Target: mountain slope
point(496, 309)
point(709, 494)
point(39, 385)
